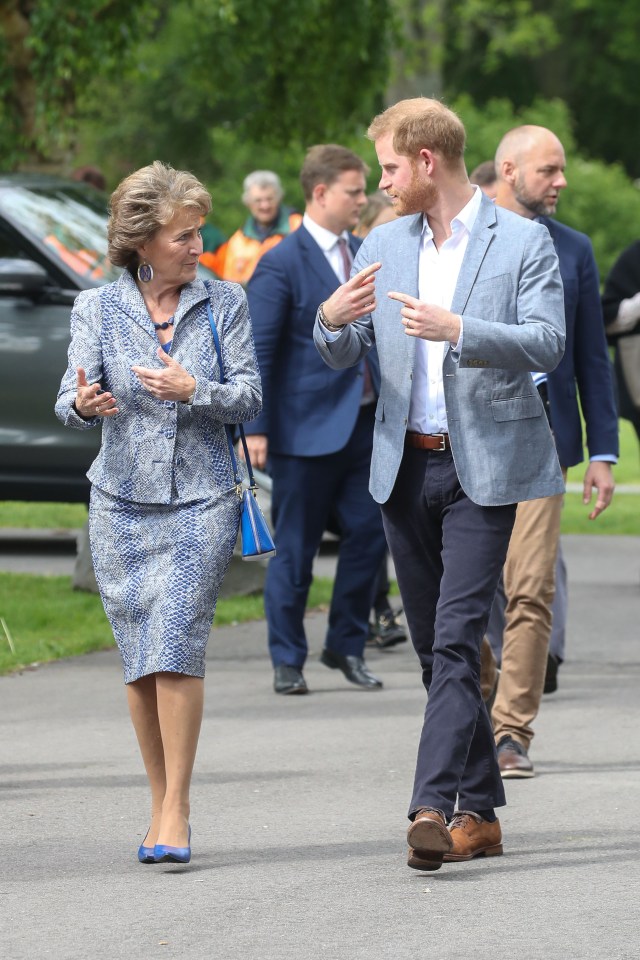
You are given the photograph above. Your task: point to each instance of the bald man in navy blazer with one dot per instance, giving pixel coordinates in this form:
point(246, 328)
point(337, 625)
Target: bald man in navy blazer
point(316, 429)
point(530, 165)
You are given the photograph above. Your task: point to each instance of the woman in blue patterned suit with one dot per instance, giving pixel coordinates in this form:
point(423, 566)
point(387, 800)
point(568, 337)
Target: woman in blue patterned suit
point(164, 512)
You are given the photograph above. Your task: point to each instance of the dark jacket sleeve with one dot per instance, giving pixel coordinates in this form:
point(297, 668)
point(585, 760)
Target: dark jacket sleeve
point(622, 283)
point(592, 364)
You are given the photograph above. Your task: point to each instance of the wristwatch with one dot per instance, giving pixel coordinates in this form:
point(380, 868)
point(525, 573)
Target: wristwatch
point(332, 327)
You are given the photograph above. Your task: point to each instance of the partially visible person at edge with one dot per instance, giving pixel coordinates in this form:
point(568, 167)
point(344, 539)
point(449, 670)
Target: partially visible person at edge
point(268, 222)
point(316, 430)
point(530, 164)
point(470, 302)
point(484, 175)
point(212, 238)
point(621, 305)
point(385, 630)
point(164, 511)
point(378, 209)
point(91, 175)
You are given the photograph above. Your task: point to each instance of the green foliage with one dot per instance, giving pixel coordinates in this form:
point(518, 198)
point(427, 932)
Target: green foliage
point(276, 77)
point(583, 51)
point(50, 53)
point(600, 199)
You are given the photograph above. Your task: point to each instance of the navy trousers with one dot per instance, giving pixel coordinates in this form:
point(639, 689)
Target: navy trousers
point(448, 553)
point(306, 491)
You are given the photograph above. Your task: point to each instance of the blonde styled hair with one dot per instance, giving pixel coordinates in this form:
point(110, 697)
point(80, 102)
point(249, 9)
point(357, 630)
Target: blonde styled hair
point(145, 201)
point(419, 123)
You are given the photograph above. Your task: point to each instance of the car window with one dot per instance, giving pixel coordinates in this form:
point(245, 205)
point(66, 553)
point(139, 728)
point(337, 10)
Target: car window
point(9, 249)
point(70, 220)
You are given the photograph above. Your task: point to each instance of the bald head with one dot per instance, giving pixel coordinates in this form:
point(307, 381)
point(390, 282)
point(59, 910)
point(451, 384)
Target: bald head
point(530, 166)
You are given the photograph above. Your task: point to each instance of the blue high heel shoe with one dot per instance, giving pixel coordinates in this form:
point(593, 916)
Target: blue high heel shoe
point(162, 853)
point(146, 854)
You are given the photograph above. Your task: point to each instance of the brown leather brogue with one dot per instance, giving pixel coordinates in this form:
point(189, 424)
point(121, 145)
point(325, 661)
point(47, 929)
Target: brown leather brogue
point(513, 760)
point(472, 836)
point(429, 840)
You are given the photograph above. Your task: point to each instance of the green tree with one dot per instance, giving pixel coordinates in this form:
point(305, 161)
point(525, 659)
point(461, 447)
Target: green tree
point(50, 52)
point(276, 74)
point(582, 51)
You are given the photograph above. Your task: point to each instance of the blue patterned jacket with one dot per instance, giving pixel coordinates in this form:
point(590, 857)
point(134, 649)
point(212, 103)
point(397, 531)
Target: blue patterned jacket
point(162, 451)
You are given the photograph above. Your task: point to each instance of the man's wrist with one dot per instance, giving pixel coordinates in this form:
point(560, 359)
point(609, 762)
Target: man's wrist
point(331, 327)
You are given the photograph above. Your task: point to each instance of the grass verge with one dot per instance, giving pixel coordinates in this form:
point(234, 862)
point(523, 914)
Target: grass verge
point(47, 516)
point(622, 517)
point(47, 620)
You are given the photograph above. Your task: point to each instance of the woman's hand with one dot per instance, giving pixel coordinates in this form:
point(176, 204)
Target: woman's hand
point(171, 383)
point(91, 401)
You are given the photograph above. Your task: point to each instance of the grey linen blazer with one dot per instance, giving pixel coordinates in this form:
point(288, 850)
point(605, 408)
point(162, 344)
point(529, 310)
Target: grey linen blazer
point(509, 294)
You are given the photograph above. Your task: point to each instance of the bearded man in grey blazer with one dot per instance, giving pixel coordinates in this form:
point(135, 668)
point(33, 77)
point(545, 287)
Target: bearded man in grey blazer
point(463, 301)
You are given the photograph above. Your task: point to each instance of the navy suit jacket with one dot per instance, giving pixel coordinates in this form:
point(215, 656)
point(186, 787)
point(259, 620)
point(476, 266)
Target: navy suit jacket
point(585, 368)
point(308, 409)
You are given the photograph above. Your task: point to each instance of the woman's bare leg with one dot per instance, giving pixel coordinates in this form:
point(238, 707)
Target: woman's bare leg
point(143, 707)
point(180, 702)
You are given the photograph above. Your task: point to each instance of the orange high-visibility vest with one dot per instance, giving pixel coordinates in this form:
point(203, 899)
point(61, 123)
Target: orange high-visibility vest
point(236, 259)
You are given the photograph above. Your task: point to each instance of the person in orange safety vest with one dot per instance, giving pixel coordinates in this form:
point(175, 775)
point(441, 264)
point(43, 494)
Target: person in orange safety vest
point(267, 224)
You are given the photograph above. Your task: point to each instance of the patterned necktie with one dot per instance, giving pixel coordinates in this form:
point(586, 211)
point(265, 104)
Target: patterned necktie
point(345, 253)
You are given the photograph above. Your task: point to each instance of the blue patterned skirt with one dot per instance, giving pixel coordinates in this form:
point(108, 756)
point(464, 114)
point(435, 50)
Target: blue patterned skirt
point(159, 569)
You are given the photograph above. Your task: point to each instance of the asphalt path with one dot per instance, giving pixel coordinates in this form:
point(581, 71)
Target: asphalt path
point(299, 810)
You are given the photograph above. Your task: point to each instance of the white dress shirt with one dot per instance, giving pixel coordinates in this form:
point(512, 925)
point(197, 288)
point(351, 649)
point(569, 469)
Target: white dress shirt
point(438, 272)
point(328, 243)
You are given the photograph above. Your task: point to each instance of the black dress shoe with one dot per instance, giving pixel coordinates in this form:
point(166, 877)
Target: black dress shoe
point(354, 669)
point(289, 680)
point(551, 676)
point(386, 631)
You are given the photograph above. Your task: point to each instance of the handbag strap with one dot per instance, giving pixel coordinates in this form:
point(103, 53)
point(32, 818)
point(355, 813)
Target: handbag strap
point(234, 462)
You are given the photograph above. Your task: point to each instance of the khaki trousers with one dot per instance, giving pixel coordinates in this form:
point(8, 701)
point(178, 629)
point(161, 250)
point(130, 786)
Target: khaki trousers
point(529, 584)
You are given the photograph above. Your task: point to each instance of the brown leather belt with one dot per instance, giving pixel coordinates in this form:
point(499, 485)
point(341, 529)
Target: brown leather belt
point(427, 441)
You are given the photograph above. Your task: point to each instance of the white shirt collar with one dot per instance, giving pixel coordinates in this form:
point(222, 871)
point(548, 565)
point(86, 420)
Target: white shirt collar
point(325, 239)
point(465, 219)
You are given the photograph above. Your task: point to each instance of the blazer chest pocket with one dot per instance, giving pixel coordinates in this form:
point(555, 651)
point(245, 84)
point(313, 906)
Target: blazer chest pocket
point(516, 408)
point(490, 297)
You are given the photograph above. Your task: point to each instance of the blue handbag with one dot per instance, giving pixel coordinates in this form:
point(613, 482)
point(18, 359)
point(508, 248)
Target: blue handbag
point(255, 536)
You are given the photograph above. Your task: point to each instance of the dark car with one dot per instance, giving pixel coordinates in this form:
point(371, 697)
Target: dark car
point(53, 243)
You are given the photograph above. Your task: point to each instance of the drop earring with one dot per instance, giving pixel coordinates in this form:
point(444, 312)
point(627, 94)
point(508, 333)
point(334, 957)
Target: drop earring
point(145, 272)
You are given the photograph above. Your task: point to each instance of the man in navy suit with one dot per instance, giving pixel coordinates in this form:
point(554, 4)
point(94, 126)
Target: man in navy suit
point(530, 165)
point(316, 429)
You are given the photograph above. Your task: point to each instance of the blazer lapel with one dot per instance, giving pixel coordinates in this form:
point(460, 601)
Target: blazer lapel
point(406, 280)
point(479, 241)
point(132, 304)
point(316, 259)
